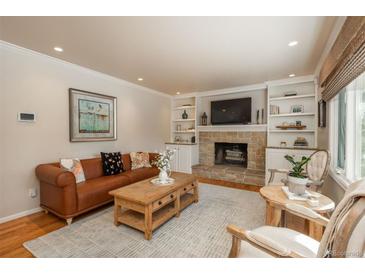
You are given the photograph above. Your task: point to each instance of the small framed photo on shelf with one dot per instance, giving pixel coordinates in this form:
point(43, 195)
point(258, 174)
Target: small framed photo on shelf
point(321, 113)
point(297, 109)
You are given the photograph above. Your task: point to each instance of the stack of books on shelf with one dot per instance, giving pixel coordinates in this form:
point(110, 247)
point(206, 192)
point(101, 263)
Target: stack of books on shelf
point(274, 109)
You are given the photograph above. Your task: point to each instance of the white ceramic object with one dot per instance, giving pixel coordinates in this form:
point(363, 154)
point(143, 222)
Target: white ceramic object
point(297, 185)
point(163, 176)
point(156, 181)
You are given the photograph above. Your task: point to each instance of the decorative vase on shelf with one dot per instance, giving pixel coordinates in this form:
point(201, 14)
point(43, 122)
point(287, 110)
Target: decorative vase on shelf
point(185, 115)
point(204, 119)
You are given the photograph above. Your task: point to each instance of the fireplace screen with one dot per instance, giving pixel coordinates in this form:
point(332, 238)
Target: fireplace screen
point(231, 154)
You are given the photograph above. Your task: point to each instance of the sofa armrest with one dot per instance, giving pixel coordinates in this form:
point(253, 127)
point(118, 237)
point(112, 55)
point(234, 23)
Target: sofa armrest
point(55, 175)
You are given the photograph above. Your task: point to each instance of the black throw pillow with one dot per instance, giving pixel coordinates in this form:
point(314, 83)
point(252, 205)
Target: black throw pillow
point(112, 163)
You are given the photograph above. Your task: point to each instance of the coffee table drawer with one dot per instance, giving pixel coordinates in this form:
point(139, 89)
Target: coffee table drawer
point(188, 187)
point(163, 201)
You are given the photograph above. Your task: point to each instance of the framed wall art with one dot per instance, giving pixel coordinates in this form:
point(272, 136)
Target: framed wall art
point(93, 116)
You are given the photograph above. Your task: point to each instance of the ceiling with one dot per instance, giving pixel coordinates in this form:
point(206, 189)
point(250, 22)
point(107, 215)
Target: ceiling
point(185, 54)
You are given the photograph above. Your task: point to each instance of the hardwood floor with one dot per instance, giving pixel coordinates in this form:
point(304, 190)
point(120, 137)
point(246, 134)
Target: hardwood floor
point(14, 233)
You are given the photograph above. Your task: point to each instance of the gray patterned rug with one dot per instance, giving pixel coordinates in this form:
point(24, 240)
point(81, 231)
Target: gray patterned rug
point(200, 231)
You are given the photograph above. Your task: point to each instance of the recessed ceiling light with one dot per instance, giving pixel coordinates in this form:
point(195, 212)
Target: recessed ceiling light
point(293, 43)
point(140, 79)
point(58, 49)
point(292, 75)
point(178, 92)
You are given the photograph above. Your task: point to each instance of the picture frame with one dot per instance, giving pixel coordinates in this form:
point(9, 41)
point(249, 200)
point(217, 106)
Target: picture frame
point(322, 109)
point(296, 109)
point(92, 116)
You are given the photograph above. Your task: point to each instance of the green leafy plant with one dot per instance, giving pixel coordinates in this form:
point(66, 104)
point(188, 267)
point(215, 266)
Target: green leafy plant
point(297, 169)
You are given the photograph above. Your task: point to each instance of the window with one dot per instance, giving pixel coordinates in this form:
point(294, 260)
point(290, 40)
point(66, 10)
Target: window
point(348, 132)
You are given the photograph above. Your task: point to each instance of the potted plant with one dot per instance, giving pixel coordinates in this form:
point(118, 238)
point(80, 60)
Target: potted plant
point(297, 180)
point(163, 164)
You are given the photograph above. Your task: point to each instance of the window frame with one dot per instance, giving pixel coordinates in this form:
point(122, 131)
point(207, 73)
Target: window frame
point(352, 172)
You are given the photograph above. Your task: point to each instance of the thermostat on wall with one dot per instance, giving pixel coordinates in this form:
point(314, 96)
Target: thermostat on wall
point(26, 116)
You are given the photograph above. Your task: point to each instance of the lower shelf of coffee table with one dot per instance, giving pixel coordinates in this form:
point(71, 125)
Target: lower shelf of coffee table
point(136, 219)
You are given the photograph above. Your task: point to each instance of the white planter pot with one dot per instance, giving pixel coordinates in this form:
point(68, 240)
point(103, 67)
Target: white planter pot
point(163, 176)
point(297, 185)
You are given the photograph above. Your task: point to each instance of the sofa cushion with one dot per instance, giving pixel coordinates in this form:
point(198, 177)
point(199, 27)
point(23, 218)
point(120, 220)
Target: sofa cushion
point(93, 168)
point(74, 166)
point(141, 173)
point(96, 191)
point(140, 160)
point(112, 163)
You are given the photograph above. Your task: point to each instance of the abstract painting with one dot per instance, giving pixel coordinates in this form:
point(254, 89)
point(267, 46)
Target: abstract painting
point(92, 116)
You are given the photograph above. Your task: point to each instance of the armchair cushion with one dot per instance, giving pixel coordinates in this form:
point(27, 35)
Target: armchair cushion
point(284, 239)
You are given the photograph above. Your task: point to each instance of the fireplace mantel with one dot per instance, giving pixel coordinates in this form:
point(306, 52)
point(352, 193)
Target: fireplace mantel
point(235, 128)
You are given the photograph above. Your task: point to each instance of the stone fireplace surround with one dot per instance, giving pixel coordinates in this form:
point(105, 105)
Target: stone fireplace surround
point(255, 172)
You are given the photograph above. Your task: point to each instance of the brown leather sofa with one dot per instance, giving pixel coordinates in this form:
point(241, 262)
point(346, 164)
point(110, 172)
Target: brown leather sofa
point(60, 194)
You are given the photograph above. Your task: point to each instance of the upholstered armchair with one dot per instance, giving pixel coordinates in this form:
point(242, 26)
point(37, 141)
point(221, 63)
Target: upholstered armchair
point(316, 169)
point(343, 237)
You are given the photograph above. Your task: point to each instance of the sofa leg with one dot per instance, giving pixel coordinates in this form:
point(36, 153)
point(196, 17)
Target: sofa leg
point(69, 221)
point(46, 211)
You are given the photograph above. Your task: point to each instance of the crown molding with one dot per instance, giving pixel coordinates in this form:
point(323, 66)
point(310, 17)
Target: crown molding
point(292, 80)
point(261, 86)
point(19, 49)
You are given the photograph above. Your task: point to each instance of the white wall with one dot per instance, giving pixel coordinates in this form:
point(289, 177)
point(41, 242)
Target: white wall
point(37, 83)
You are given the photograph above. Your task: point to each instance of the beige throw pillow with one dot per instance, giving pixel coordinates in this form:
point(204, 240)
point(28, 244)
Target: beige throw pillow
point(140, 159)
point(74, 166)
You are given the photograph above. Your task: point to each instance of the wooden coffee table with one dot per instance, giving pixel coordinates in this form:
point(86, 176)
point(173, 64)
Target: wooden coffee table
point(275, 205)
point(145, 206)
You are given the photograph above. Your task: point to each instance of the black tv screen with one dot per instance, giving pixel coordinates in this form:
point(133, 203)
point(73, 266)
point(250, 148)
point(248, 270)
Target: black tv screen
point(235, 111)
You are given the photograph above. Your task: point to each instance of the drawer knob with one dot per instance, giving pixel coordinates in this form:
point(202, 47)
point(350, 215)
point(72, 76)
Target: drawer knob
point(159, 202)
point(184, 188)
point(192, 184)
point(171, 196)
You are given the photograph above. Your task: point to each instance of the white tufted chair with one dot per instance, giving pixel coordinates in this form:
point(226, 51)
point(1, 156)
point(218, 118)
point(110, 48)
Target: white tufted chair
point(344, 235)
point(316, 169)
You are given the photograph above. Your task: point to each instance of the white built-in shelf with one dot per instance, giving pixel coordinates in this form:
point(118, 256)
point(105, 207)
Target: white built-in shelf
point(185, 131)
point(184, 107)
point(292, 97)
point(255, 127)
point(292, 114)
point(184, 120)
point(291, 131)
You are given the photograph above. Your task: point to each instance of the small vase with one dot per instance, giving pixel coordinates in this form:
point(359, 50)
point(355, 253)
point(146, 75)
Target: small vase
point(163, 176)
point(185, 115)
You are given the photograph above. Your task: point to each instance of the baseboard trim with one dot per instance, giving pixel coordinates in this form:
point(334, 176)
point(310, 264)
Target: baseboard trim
point(20, 214)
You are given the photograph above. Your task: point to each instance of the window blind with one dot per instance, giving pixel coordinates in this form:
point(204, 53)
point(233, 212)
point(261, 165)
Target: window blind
point(346, 59)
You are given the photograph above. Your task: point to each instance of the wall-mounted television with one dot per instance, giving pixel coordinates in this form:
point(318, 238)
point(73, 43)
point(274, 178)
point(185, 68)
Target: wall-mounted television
point(228, 112)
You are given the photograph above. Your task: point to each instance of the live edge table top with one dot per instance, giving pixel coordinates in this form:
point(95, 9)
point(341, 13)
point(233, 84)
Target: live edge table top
point(145, 192)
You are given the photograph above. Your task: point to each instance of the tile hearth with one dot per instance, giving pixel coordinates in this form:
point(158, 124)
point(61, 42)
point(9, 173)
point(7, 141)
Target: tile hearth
point(231, 173)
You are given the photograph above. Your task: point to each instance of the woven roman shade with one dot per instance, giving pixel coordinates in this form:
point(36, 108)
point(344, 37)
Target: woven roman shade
point(346, 60)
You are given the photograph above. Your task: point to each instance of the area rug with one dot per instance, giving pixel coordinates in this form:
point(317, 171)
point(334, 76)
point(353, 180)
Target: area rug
point(200, 231)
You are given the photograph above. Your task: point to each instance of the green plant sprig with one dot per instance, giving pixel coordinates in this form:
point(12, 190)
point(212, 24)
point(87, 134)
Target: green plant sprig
point(297, 168)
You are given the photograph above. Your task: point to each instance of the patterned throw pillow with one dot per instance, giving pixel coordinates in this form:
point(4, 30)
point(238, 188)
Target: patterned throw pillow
point(112, 163)
point(74, 166)
point(140, 159)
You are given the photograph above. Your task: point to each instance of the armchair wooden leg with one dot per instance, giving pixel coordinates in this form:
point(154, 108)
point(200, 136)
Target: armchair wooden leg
point(236, 247)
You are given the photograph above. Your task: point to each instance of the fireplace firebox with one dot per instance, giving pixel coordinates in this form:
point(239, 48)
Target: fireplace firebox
point(231, 154)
